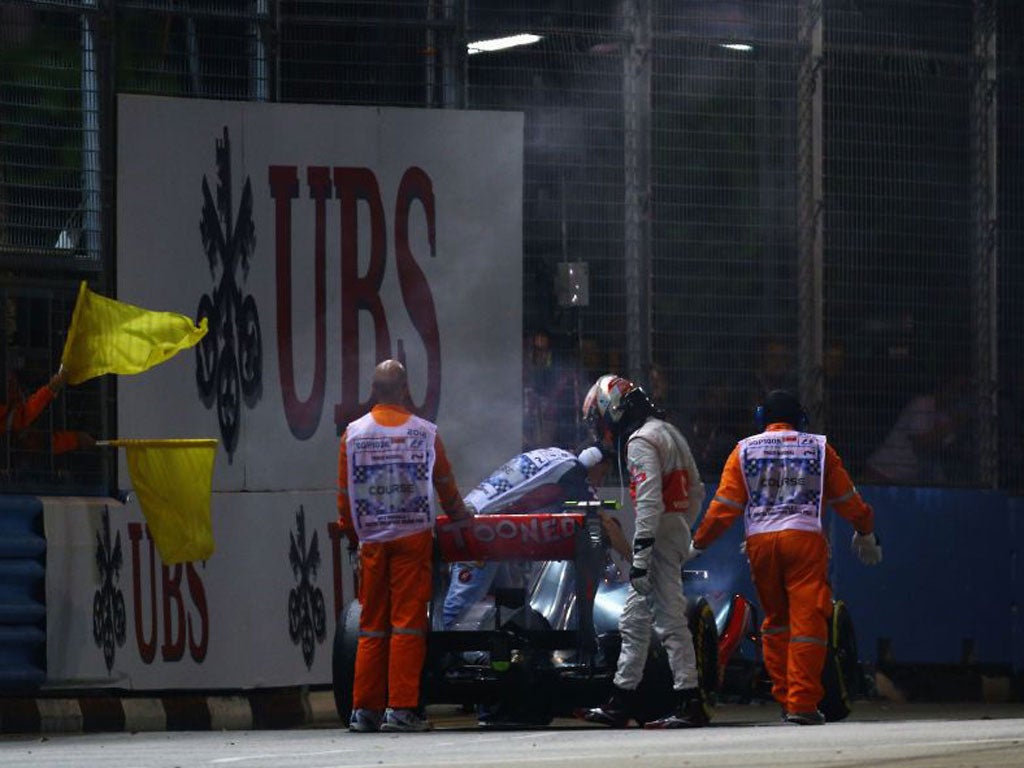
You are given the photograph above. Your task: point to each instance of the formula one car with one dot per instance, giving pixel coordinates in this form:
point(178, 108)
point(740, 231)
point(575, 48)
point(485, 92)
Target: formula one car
point(550, 648)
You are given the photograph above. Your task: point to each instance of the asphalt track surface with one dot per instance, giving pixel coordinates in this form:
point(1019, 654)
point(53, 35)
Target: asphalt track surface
point(876, 735)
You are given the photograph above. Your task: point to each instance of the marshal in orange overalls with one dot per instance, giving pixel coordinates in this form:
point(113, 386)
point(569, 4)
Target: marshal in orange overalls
point(780, 480)
point(390, 463)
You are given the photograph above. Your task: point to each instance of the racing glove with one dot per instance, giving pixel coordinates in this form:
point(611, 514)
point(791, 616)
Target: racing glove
point(867, 547)
point(639, 573)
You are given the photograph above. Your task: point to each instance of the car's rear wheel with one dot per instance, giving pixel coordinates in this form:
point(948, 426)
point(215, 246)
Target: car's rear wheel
point(705, 644)
point(524, 700)
point(656, 695)
point(841, 676)
point(343, 659)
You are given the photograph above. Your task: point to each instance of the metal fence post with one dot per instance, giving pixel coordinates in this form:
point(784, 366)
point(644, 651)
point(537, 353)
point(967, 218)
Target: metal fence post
point(810, 204)
point(258, 52)
point(636, 92)
point(985, 273)
point(91, 180)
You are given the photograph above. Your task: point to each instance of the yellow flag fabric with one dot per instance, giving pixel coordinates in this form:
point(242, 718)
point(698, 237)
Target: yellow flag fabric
point(173, 480)
point(109, 336)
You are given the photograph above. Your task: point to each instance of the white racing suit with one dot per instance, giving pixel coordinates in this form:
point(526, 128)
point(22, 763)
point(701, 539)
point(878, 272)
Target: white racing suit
point(667, 493)
point(536, 481)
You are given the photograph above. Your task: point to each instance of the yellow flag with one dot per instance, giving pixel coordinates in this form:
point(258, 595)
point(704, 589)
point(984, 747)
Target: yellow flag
point(174, 480)
point(108, 336)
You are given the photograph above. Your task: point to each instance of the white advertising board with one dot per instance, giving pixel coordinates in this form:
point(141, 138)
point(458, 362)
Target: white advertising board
point(259, 613)
point(318, 240)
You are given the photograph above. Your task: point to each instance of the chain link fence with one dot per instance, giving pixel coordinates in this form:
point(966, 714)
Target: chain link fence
point(758, 193)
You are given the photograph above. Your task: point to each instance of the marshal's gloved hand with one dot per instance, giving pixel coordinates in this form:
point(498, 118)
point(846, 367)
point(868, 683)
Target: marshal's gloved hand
point(639, 571)
point(867, 548)
point(353, 549)
point(693, 552)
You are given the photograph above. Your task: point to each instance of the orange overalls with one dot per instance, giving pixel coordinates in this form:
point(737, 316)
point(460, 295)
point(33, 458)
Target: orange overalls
point(19, 417)
point(16, 418)
point(780, 481)
point(389, 464)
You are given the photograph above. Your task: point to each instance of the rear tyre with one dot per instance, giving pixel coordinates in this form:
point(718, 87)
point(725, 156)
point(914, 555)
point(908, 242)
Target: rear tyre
point(705, 644)
point(655, 693)
point(655, 697)
point(841, 677)
point(526, 699)
point(343, 659)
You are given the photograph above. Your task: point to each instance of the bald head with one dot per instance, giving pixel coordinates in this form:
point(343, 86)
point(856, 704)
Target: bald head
point(390, 385)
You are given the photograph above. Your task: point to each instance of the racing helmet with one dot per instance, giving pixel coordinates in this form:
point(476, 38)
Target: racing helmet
point(615, 407)
point(781, 405)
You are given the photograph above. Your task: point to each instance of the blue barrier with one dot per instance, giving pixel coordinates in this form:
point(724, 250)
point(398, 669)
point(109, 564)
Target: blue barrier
point(945, 591)
point(22, 593)
point(950, 589)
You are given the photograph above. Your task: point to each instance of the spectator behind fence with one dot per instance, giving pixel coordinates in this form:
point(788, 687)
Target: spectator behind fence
point(923, 447)
point(713, 429)
point(659, 388)
point(772, 368)
point(548, 415)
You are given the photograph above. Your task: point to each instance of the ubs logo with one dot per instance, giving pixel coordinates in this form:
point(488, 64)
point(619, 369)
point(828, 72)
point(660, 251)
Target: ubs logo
point(307, 617)
point(108, 612)
point(229, 359)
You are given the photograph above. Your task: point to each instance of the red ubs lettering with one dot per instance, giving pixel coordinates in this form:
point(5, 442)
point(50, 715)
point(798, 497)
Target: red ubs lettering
point(178, 620)
point(359, 293)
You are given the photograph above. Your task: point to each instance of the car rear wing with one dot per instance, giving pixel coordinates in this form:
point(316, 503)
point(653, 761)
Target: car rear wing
point(509, 537)
point(529, 536)
point(574, 536)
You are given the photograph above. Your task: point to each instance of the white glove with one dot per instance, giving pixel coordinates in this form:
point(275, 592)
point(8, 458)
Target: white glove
point(693, 553)
point(639, 570)
point(867, 548)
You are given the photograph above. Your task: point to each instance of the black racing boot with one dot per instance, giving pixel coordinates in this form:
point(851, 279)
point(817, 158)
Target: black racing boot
point(615, 712)
point(691, 712)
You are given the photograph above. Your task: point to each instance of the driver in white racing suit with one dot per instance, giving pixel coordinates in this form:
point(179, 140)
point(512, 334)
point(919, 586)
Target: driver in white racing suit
point(667, 494)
